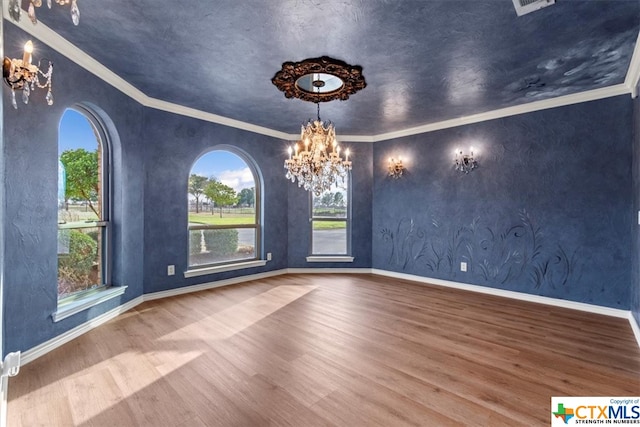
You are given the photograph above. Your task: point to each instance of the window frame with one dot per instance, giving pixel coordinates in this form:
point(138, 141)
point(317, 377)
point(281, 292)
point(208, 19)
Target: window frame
point(220, 266)
point(338, 257)
point(104, 223)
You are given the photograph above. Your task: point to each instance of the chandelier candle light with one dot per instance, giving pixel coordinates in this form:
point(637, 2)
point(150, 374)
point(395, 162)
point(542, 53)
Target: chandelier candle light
point(319, 164)
point(21, 74)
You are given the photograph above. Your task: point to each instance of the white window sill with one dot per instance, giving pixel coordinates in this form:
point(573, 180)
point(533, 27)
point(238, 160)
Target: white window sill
point(75, 307)
point(329, 258)
point(221, 268)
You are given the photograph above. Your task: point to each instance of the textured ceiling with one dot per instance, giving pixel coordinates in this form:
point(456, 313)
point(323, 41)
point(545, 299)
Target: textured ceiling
point(424, 61)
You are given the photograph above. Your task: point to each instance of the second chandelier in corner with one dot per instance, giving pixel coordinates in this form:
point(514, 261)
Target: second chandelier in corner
point(15, 9)
point(316, 162)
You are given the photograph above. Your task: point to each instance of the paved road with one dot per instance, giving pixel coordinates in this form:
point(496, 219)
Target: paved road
point(325, 242)
point(330, 242)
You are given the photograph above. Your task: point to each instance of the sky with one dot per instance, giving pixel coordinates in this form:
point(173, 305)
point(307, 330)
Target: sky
point(75, 131)
point(226, 167)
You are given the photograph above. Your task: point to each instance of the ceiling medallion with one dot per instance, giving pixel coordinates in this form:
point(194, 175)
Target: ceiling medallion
point(319, 79)
point(315, 160)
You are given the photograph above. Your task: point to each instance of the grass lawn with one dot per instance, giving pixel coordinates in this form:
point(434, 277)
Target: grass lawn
point(227, 219)
point(329, 225)
point(236, 219)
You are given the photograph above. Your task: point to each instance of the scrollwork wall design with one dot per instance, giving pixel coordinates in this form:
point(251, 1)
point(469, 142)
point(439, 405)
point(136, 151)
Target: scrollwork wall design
point(495, 254)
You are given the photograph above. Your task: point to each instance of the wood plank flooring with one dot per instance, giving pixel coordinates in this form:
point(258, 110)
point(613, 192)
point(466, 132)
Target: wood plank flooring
point(328, 350)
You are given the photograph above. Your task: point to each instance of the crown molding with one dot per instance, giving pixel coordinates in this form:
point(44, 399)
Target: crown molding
point(49, 37)
point(64, 47)
point(561, 101)
point(633, 73)
point(55, 41)
point(214, 118)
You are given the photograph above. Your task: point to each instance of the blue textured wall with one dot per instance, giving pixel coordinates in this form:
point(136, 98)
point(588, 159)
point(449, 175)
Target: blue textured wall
point(30, 156)
point(635, 282)
point(174, 143)
point(299, 229)
point(152, 152)
point(547, 212)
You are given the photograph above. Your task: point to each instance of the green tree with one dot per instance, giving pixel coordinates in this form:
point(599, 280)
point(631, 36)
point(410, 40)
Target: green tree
point(247, 197)
point(197, 184)
point(338, 200)
point(83, 183)
point(222, 195)
point(327, 199)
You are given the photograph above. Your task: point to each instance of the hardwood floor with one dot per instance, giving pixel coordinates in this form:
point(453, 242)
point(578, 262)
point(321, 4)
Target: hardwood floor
point(322, 350)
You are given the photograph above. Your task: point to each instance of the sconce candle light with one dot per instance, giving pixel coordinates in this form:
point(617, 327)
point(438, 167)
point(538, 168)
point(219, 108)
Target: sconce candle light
point(21, 74)
point(395, 167)
point(465, 162)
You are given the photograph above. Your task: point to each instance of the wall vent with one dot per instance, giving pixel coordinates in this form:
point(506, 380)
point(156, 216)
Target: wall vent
point(526, 6)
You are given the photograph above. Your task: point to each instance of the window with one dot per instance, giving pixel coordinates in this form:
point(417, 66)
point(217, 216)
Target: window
point(331, 221)
point(224, 210)
point(83, 206)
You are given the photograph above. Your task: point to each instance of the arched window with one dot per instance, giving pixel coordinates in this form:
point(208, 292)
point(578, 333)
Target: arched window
point(224, 209)
point(83, 205)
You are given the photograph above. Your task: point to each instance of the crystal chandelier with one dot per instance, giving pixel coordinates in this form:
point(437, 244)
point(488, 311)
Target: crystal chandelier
point(319, 164)
point(315, 160)
point(21, 74)
point(16, 11)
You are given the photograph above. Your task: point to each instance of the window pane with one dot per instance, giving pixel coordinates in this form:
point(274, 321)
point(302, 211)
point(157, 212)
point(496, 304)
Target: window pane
point(81, 199)
point(332, 203)
point(221, 245)
point(329, 237)
point(222, 193)
point(230, 215)
point(79, 254)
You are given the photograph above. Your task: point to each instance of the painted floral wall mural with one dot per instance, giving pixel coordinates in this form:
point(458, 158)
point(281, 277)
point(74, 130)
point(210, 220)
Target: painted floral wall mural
point(516, 251)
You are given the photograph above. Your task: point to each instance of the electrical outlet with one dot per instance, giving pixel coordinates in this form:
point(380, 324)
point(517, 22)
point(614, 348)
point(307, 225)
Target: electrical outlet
point(171, 270)
point(268, 256)
point(463, 266)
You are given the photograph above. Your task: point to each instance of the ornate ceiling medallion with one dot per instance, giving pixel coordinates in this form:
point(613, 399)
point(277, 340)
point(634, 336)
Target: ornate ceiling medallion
point(319, 79)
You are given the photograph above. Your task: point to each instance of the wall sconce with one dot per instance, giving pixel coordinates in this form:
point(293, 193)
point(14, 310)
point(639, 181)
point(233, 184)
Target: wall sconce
point(395, 167)
point(21, 74)
point(465, 162)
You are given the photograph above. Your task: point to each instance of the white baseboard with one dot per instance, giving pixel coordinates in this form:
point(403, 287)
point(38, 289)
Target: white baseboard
point(328, 270)
point(635, 327)
point(211, 285)
point(42, 349)
point(591, 308)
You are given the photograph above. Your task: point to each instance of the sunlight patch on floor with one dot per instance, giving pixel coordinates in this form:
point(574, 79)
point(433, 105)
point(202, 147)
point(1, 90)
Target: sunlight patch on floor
point(230, 321)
